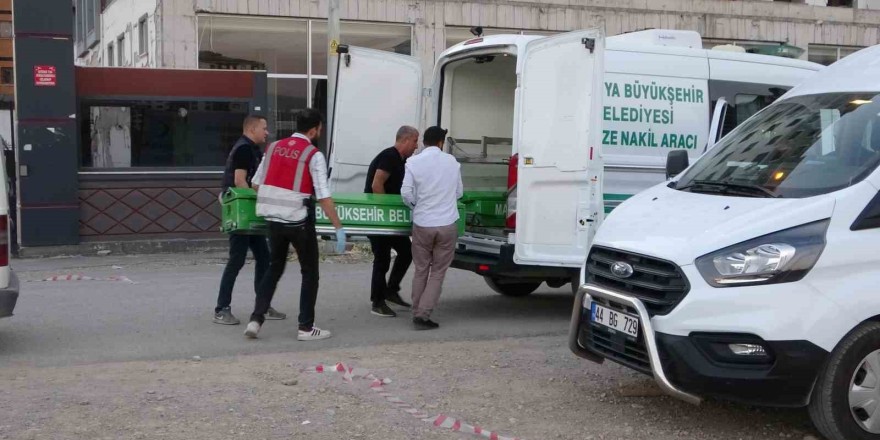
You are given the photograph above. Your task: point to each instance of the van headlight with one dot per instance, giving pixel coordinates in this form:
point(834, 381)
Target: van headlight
point(780, 257)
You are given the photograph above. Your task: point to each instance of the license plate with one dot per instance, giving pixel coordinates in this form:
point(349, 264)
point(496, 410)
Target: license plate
point(622, 322)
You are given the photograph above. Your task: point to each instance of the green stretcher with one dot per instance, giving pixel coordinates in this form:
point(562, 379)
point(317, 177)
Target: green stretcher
point(364, 214)
point(239, 212)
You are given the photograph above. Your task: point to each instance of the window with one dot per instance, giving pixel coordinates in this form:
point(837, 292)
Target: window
point(281, 47)
point(742, 108)
point(388, 37)
point(709, 43)
point(827, 55)
point(249, 43)
point(79, 28)
point(773, 48)
point(7, 76)
point(5, 29)
point(110, 55)
point(160, 133)
point(801, 147)
point(120, 51)
point(91, 15)
point(88, 31)
point(143, 36)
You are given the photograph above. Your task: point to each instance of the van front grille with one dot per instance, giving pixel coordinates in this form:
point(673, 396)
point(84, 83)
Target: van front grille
point(659, 284)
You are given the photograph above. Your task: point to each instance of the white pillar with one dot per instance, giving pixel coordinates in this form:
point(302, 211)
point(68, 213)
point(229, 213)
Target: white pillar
point(332, 41)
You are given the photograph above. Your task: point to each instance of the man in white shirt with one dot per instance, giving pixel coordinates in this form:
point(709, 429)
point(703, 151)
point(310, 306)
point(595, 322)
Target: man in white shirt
point(431, 187)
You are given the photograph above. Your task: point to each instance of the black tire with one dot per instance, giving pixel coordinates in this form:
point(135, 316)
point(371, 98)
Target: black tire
point(829, 405)
point(508, 287)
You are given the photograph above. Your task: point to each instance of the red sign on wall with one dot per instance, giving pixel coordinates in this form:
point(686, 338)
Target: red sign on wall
point(44, 76)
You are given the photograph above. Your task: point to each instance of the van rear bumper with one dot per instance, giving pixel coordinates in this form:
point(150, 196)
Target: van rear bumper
point(9, 296)
point(503, 266)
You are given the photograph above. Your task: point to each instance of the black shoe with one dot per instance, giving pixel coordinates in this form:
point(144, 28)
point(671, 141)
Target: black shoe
point(394, 298)
point(383, 310)
point(424, 324)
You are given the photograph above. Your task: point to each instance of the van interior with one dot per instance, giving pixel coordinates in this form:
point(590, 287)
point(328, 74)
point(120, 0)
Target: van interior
point(477, 106)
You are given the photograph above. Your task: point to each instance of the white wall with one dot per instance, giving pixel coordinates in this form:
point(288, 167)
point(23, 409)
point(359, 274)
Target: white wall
point(868, 4)
point(482, 99)
point(122, 16)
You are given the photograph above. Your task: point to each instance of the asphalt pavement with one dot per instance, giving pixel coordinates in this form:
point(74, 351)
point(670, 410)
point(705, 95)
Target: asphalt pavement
point(167, 313)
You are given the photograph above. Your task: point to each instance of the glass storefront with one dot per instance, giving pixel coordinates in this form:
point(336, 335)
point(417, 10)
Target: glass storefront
point(159, 133)
point(827, 55)
point(286, 97)
point(293, 52)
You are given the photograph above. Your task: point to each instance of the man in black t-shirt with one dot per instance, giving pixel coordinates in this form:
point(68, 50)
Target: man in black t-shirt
point(385, 176)
point(241, 165)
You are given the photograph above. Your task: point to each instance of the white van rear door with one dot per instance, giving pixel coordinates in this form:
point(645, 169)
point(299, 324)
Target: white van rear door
point(559, 188)
point(378, 92)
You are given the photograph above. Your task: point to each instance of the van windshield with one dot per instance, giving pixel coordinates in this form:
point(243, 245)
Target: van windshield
point(800, 147)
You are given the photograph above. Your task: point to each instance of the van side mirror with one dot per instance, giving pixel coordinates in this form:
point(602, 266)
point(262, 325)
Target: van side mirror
point(676, 162)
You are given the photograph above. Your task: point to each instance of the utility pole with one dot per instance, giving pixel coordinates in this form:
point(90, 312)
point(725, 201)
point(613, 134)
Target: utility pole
point(332, 61)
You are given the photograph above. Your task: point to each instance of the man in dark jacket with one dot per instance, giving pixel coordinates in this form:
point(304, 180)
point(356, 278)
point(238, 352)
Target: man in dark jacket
point(241, 166)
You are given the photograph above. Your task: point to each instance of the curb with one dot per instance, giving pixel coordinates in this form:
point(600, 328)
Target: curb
point(135, 247)
point(147, 247)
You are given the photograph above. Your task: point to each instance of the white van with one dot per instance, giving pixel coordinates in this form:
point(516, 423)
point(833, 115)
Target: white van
point(753, 275)
point(9, 285)
point(524, 116)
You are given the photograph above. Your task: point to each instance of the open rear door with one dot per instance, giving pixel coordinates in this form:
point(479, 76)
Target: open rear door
point(559, 189)
point(378, 92)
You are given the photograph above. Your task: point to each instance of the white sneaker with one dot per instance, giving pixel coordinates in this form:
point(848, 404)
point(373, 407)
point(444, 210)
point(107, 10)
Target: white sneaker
point(314, 334)
point(252, 329)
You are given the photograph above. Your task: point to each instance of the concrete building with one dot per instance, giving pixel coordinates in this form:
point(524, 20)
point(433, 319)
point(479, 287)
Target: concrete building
point(7, 78)
point(7, 74)
point(288, 39)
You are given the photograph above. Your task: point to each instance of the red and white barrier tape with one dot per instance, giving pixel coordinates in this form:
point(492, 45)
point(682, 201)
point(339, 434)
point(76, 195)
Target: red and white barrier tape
point(378, 385)
point(88, 278)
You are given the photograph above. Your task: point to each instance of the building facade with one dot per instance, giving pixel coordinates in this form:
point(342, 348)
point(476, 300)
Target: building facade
point(288, 39)
point(7, 74)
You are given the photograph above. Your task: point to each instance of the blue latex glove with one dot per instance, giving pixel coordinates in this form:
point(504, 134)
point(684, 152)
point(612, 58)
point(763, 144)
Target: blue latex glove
point(340, 240)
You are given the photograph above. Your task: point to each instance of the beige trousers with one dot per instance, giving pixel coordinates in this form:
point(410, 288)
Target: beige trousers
point(432, 251)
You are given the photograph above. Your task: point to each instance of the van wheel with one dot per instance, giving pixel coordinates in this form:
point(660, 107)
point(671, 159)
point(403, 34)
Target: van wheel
point(508, 287)
point(845, 404)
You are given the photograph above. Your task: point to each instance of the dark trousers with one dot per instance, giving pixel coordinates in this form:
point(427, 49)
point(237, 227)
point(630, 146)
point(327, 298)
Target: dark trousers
point(238, 247)
point(305, 242)
point(382, 261)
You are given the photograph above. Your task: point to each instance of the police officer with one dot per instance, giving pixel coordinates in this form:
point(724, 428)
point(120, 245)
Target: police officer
point(289, 178)
point(240, 168)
